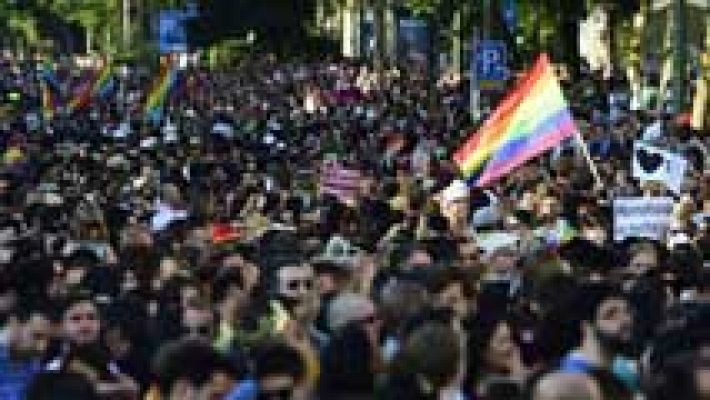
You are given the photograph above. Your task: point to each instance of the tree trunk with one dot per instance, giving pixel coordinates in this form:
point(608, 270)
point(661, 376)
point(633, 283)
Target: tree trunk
point(457, 42)
point(89, 39)
point(380, 36)
point(351, 28)
point(391, 24)
point(634, 70)
point(667, 62)
point(701, 103)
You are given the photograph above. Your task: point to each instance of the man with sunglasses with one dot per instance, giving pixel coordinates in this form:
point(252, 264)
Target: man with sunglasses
point(296, 305)
point(198, 321)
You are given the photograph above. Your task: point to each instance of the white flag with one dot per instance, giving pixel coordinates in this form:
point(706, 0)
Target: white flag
point(654, 164)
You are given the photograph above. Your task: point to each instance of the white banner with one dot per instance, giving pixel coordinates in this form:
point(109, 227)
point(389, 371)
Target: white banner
point(654, 164)
point(645, 217)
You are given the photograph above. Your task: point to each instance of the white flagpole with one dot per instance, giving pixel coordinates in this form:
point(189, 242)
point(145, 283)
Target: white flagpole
point(588, 158)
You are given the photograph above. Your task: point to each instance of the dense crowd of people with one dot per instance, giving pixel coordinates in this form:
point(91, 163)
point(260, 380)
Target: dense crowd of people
point(200, 258)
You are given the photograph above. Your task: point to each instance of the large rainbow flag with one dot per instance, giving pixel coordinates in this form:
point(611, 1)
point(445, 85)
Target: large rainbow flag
point(533, 118)
point(157, 96)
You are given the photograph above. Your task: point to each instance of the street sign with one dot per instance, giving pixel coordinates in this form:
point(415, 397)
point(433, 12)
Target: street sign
point(172, 35)
point(491, 63)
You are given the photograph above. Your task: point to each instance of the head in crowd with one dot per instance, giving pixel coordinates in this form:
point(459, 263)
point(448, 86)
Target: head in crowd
point(605, 321)
point(192, 369)
point(198, 320)
point(279, 370)
point(493, 352)
point(419, 372)
point(28, 333)
point(566, 386)
point(80, 320)
point(295, 286)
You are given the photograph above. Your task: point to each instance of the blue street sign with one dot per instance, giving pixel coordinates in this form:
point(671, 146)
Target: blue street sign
point(172, 35)
point(491, 61)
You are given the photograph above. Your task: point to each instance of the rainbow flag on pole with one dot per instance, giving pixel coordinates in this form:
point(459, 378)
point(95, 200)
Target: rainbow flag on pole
point(97, 85)
point(157, 96)
point(532, 119)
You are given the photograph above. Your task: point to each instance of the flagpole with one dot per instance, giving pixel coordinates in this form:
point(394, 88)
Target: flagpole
point(588, 158)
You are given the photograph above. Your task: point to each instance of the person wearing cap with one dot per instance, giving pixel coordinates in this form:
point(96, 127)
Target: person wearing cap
point(455, 207)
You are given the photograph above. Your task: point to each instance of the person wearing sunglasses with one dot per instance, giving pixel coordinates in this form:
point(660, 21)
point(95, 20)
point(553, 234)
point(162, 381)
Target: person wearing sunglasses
point(295, 306)
point(198, 321)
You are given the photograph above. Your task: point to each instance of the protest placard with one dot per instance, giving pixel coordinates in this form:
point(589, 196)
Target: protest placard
point(644, 217)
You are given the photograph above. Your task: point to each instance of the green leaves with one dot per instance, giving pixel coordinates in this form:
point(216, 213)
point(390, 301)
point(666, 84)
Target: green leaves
point(423, 8)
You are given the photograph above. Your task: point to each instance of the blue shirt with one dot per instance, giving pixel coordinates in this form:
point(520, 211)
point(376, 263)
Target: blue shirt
point(15, 376)
point(576, 363)
point(245, 390)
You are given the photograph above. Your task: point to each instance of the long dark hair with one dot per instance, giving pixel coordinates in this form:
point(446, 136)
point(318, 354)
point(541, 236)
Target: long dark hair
point(480, 332)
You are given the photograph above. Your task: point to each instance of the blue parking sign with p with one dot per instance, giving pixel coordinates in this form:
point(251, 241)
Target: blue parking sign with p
point(491, 61)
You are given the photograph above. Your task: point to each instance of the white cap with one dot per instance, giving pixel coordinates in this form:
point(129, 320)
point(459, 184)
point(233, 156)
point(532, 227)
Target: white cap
point(457, 190)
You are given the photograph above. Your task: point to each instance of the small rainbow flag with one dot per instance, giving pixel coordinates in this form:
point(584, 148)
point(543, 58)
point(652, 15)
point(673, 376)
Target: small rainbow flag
point(49, 76)
point(105, 82)
point(97, 85)
point(82, 94)
point(155, 101)
point(533, 118)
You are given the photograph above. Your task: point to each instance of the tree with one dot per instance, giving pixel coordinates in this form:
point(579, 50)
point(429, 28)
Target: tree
point(98, 18)
point(280, 26)
point(18, 22)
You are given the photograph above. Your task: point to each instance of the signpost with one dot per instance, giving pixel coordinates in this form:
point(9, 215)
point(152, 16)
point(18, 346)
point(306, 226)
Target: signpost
point(489, 70)
point(491, 64)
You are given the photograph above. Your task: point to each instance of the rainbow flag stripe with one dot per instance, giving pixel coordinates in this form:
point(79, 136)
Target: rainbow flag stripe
point(82, 95)
point(48, 75)
point(533, 118)
point(98, 85)
point(157, 96)
point(104, 82)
